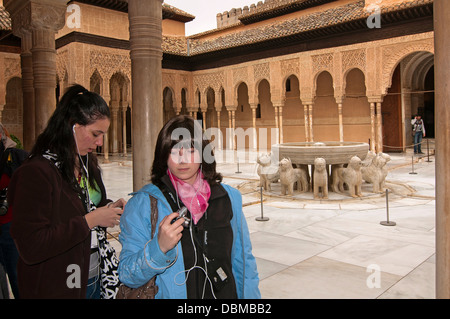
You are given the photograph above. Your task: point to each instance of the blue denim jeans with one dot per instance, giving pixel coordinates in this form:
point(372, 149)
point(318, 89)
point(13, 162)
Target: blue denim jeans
point(418, 142)
point(9, 257)
point(93, 288)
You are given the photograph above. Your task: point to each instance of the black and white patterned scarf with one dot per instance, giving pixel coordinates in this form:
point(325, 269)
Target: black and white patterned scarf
point(109, 276)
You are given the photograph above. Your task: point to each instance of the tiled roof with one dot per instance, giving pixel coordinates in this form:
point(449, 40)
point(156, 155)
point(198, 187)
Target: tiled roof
point(175, 45)
point(275, 8)
point(5, 20)
point(180, 14)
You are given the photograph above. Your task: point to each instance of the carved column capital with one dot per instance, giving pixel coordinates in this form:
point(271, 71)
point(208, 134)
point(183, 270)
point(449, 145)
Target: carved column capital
point(27, 15)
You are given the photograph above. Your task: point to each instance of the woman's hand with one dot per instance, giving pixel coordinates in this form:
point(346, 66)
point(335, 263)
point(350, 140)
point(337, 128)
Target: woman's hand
point(118, 203)
point(169, 234)
point(106, 216)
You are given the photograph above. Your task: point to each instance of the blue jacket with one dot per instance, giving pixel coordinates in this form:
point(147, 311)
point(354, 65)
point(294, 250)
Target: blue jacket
point(141, 259)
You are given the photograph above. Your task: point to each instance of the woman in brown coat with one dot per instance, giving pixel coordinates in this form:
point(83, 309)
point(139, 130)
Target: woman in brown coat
point(60, 209)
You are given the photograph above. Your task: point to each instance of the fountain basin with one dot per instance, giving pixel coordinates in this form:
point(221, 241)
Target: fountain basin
point(332, 152)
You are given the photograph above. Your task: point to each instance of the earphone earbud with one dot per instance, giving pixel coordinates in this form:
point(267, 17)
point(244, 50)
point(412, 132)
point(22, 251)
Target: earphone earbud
point(73, 128)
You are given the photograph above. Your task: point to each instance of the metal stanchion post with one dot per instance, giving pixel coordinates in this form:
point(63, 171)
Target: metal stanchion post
point(238, 172)
point(387, 222)
point(428, 152)
point(262, 218)
point(412, 164)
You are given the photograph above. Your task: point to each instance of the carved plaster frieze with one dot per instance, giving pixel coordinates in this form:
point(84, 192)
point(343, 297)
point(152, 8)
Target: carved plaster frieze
point(289, 67)
point(323, 62)
point(212, 80)
point(240, 75)
point(261, 71)
point(107, 63)
point(168, 80)
point(61, 64)
point(12, 69)
point(354, 59)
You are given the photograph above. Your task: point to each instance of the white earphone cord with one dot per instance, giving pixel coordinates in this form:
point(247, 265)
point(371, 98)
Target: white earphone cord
point(187, 271)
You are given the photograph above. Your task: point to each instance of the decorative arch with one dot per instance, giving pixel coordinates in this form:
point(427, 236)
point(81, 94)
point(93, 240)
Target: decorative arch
point(169, 108)
point(96, 82)
point(256, 88)
point(287, 81)
point(197, 101)
point(293, 109)
point(236, 93)
point(316, 77)
point(345, 77)
point(416, 67)
point(184, 100)
point(356, 124)
point(12, 113)
point(119, 86)
point(325, 112)
point(393, 55)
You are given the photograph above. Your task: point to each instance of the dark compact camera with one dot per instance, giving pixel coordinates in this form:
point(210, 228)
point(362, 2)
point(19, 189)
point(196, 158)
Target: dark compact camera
point(182, 211)
point(3, 202)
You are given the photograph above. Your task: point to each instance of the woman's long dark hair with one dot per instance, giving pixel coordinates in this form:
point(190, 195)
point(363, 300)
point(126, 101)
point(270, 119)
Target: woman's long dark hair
point(77, 106)
point(196, 139)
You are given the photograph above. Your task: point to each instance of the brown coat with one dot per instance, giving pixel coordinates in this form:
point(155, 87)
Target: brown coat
point(50, 232)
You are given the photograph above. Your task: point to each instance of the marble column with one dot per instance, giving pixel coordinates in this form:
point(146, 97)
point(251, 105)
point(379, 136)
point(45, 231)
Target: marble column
point(253, 107)
point(230, 130)
point(145, 17)
point(105, 149)
point(114, 107)
point(204, 119)
point(277, 125)
point(442, 89)
point(219, 132)
point(233, 123)
point(124, 129)
point(29, 131)
point(373, 127)
point(305, 112)
point(341, 123)
point(43, 20)
point(379, 147)
point(280, 122)
point(311, 130)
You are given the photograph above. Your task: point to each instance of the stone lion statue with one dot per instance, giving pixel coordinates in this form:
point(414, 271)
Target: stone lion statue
point(337, 184)
point(376, 172)
point(268, 172)
point(320, 178)
point(351, 175)
point(290, 175)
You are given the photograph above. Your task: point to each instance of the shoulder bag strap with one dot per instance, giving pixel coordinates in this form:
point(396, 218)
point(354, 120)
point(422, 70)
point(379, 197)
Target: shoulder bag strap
point(153, 213)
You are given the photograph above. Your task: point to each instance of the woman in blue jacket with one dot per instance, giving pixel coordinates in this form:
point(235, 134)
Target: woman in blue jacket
point(208, 254)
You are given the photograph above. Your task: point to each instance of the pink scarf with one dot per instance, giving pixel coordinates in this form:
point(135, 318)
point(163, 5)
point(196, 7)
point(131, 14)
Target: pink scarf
point(195, 197)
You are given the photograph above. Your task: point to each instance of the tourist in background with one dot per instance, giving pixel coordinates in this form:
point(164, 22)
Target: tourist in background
point(419, 132)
